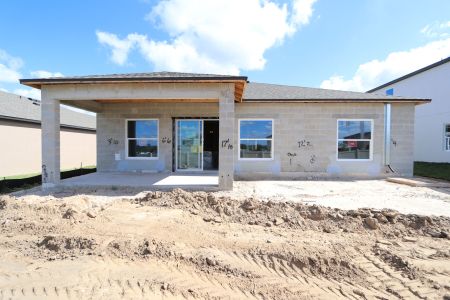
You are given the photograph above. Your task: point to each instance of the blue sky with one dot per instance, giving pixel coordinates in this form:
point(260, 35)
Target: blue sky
point(348, 44)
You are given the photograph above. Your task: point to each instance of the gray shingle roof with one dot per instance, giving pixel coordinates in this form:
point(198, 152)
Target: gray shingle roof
point(137, 76)
point(29, 110)
point(252, 92)
point(266, 92)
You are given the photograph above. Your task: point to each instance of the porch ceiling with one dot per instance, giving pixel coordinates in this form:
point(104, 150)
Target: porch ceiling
point(97, 105)
point(198, 100)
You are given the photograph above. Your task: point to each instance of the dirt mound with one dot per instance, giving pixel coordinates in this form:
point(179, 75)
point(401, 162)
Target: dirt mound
point(200, 245)
point(132, 248)
point(61, 247)
point(252, 211)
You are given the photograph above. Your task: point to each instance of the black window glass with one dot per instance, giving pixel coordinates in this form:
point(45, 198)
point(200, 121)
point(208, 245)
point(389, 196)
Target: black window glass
point(256, 149)
point(142, 148)
point(354, 150)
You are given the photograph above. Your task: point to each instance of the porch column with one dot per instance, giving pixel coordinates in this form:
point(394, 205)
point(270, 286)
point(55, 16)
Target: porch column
point(50, 126)
point(226, 139)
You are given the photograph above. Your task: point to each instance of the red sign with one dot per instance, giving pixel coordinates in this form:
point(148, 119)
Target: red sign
point(352, 144)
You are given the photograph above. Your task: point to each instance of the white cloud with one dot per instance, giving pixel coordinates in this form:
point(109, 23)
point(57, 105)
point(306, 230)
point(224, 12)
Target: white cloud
point(222, 36)
point(45, 74)
point(396, 64)
point(9, 67)
point(302, 11)
point(29, 93)
point(120, 48)
point(437, 30)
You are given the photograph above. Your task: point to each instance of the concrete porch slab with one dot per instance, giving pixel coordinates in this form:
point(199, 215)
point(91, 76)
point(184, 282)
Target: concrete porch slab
point(151, 181)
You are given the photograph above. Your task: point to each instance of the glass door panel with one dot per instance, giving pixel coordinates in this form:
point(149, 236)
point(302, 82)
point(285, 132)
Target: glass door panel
point(189, 144)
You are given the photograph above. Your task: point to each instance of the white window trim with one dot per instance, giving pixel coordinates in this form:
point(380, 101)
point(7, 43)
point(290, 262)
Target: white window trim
point(127, 139)
point(446, 137)
point(363, 140)
point(272, 139)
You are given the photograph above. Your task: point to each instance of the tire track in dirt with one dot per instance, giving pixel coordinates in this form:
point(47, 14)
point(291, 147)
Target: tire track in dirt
point(282, 274)
point(385, 277)
point(109, 278)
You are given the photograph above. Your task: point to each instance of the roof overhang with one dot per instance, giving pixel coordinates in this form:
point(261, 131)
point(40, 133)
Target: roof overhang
point(403, 100)
point(238, 81)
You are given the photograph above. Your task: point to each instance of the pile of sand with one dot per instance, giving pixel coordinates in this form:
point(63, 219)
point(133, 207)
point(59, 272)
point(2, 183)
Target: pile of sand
point(253, 211)
point(183, 244)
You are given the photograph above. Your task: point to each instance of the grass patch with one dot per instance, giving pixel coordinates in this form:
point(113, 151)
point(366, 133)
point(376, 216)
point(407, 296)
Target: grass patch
point(433, 170)
point(22, 176)
point(26, 181)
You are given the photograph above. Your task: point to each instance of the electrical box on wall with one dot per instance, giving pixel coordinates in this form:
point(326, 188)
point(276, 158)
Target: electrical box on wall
point(117, 156)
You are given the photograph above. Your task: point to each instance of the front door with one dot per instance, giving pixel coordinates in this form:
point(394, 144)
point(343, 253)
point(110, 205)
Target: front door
point(189, 145)
point(210, 145)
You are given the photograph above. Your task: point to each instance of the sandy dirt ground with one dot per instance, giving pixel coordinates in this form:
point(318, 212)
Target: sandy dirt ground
point(120, 244)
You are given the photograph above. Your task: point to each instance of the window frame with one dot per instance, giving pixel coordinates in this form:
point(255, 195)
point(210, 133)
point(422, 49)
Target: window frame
point(446, 136)
point(365, 140)
point(272, 140)
point(127, 139)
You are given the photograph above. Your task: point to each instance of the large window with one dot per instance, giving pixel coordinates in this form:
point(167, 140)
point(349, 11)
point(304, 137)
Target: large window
point(255, 139)
point(142, 139)
point(447, 137)
point(354, 139)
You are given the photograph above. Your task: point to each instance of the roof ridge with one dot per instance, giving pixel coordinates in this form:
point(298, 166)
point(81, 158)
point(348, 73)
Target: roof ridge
point(143, 74)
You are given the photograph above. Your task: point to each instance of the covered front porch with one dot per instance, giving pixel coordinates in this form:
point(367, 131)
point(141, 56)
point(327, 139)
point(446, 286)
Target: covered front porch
point(208, 181)
point(138, 120)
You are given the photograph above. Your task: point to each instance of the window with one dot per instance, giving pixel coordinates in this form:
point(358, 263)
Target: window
point(447, 137)
point(354, 140)
point(255, 139)
point(142, 139)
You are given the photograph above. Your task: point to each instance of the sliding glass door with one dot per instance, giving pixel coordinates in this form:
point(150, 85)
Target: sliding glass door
point(189, 144)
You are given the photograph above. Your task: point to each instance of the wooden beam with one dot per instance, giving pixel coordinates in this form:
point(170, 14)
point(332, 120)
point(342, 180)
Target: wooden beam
point(239, 91)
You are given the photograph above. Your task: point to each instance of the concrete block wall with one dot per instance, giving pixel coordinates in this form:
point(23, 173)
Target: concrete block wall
point(314, 124)
point(227, 134)
point(402, 138)
point(305, 139)
point(50, 116)
point(111, 134)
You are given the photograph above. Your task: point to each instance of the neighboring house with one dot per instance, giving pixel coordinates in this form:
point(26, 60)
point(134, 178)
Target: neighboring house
point(20, 134)
point(432, 122)
point(178, 122)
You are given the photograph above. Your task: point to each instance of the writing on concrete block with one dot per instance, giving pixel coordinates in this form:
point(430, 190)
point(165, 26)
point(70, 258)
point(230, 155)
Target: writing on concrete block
point(226, 144)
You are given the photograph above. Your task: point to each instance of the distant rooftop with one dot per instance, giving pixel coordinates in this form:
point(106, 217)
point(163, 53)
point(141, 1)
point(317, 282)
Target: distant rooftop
point(19, 108)
point(436, 64)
